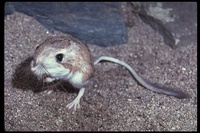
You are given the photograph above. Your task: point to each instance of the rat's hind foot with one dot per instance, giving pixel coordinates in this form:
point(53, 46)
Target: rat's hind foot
point(76, 101)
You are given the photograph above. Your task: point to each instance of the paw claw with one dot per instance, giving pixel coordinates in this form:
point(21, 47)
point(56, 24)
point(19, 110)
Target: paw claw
point(74, 104)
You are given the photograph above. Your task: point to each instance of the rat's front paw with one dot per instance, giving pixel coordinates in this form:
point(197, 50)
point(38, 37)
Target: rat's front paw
point(48, 79)
point(47, 92)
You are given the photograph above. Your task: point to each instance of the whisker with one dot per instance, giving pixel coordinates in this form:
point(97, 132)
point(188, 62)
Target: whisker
point(62, 87)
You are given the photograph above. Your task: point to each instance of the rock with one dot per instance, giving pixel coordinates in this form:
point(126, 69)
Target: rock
point(98, 23)
point(175, 21)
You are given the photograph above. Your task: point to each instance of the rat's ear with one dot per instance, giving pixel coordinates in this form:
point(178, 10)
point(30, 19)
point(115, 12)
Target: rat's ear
point(37, 47)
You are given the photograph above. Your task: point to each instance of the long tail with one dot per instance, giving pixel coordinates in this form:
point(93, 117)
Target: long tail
point(163, 90)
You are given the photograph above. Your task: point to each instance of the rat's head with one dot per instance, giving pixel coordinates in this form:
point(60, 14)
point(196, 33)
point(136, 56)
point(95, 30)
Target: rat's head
point(54, 58)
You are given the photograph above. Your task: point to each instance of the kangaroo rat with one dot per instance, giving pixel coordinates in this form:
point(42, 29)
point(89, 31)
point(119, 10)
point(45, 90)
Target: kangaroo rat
point(67, 58)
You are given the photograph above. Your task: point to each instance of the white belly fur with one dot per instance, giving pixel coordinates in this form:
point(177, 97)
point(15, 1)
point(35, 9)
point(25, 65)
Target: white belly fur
point(77, 79)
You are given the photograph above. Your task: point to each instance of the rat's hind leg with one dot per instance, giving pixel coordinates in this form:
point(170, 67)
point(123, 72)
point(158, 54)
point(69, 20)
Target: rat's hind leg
point(76, 101)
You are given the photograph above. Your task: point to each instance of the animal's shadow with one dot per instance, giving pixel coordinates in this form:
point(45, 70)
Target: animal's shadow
point(24, 79)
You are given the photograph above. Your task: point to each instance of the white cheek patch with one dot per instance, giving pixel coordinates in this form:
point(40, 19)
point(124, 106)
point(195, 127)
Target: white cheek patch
point(55, 69)
point(47, 64)
point(58, 72)
point(51, 67)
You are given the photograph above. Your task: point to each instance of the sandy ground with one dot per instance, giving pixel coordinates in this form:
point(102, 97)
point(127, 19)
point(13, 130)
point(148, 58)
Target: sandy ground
point(113, 100)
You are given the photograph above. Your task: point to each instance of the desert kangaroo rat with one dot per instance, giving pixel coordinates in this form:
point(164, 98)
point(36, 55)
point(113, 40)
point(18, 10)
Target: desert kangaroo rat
point(69, 59)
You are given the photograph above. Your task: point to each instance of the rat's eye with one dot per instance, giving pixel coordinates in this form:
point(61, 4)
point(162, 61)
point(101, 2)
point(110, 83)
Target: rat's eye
point(59, 57)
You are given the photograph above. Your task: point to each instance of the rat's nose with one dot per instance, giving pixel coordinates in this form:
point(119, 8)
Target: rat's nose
point(34, 63)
